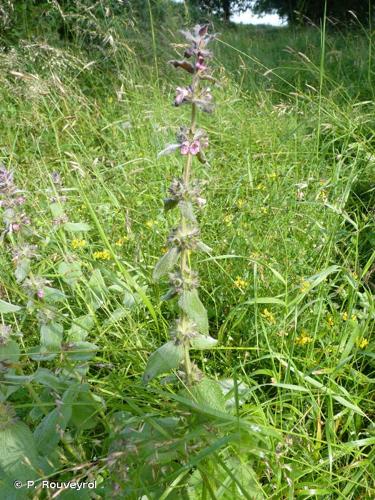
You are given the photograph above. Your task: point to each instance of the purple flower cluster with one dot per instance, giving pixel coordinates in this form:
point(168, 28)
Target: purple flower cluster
point(11, 201)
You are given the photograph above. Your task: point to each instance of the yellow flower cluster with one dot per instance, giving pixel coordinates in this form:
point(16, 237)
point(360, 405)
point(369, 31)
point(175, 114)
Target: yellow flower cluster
point(323, 195)
point(272, 176)
point(77, 244)
point(102, 255)
point(305, 286)
point(267, 315)
point(121, 241)
point(303, 339)
point(345, 316)
point(151, 223)
point(362, 343)
point(240, 283)
point(228, 219)
point(330, 321)
point(240, 203)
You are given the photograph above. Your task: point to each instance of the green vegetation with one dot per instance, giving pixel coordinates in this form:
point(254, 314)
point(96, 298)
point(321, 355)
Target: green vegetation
point(289, 284)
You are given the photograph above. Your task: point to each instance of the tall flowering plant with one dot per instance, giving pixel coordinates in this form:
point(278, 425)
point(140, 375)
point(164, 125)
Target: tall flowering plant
point(191, 328)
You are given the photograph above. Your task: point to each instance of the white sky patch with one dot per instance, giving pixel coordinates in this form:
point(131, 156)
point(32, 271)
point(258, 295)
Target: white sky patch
point(249, 18)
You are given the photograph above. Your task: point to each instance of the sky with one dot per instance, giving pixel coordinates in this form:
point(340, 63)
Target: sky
point(249, 18)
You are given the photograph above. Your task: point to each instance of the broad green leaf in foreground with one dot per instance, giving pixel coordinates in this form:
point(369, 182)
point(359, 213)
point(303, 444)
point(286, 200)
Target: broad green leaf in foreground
point(166, 358)
point(6, 307)
point(166, 263)
point(191, 304)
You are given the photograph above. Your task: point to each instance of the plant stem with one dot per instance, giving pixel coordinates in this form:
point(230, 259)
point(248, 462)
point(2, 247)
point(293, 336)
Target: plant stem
point(185, 253)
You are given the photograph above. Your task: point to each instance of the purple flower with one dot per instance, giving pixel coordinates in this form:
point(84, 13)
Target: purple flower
point(195, 147)
point(20, 200)
point(181, 94)
point(40, 293)
point(56, 177)
point(185, 148)
point(192, 148)
point(199, 65)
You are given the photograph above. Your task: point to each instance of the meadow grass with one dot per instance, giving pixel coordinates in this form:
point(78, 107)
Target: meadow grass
point(289, 285)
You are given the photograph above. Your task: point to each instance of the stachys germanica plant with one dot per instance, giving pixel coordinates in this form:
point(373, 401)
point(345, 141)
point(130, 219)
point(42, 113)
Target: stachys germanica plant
point(191, 328)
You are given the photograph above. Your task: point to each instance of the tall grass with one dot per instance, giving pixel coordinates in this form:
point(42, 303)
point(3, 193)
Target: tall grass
point(289, 288)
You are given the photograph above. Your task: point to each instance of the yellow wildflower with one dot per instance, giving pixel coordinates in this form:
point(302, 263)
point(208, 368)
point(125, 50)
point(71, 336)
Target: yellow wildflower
point(228, 219)
point(303, 339)
point(121, 241)
point(330, 321)
point(362, 343)
point(269, 316)
point(345, 316)
point(240, 283)
point(305, 286)
point(323, 195)
point(240, 203)
point(264, 210)
point(76, 244)
point(272, 176)
point(102, 255)
point(151, 223)
point(260, 187)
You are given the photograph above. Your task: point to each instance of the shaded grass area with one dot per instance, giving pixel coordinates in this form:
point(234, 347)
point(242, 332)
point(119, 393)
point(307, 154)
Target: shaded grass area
point(290, 220)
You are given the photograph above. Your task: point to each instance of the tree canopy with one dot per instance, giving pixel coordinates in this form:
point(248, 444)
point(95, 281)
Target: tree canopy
point(305, 11)
point(295, 11)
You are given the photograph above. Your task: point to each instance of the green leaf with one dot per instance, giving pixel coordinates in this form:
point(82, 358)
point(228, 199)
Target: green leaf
point(166, 263)
point(202, 342)
point(97, 289)
point(57, 210)
point(82, 351)
point(46, 378)
point(81, 327)
point(170, 203)
point(76, 227)
point(164, 359)
point(22, 270)
point(48, 433)
point(207, 392)
point(85, 409)
point(190, 303)
point(53, 294)
point(70, 272)
point(203, 247)
point(5, 307)
point(187, 211)
point(18, 454)
point(10, 352)
point(51, 336)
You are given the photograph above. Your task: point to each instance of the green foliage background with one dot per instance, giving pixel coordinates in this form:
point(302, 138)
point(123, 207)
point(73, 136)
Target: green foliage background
point(87, 91)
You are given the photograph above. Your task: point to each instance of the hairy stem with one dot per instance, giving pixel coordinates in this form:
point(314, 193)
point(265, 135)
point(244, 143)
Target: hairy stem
point(185, 253)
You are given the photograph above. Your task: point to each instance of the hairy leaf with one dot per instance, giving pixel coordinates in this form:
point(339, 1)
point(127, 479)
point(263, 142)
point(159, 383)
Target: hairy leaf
point(166, 263)
point(5, 307)
point(166, 358)
point(70, 272)
point(202, 342)
point(76, 227)
point(190, 303)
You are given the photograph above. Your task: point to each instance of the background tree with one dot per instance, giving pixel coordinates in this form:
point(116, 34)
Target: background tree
point(222, 8)
point(304, 11)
